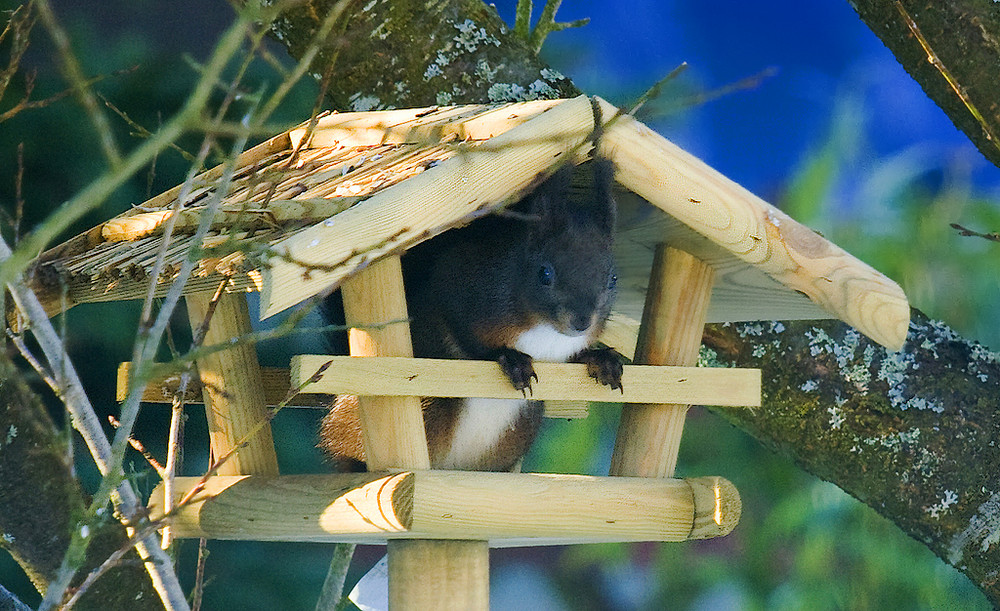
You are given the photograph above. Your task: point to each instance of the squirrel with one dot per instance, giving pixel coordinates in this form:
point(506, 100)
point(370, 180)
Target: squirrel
point(534, 282)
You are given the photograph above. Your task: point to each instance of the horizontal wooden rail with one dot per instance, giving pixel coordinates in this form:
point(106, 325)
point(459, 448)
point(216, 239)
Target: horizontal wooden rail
point(503, 508)
point(162, 388)
point(393, 376)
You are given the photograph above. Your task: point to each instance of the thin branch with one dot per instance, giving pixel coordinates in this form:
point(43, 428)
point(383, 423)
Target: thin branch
point(27, 355)
point(85, 420)
point(522, 19)
point(175, 436)
point(99, 190)
point(109, 563)
point(19, 193)
point(547, 24)
point(199, 575)
point(140, 448)
point(142, 132)
point(19, 27)
point(73, 73)
point(26, 103)
point(332, 594)
point(992, 236)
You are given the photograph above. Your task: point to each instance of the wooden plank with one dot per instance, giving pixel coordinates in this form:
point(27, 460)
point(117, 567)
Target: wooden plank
point(503, 508)
point(649, 434)
point(299, 211)
point(477, 178)
point(742, 292)
point(392, 427)
point(275, 380)
point(420, 125)
point(387, 376)
point(756, 232)
point(234, 395)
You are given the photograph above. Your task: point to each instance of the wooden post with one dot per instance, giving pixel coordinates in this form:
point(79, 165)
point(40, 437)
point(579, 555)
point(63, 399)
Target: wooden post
point(439, 575)
point(673, 321)
point(422, 574)
point(232, 387)
point(392, 427)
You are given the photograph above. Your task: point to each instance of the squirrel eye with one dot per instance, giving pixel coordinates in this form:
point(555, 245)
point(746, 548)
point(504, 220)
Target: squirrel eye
point(546, 275)
point(612, 280)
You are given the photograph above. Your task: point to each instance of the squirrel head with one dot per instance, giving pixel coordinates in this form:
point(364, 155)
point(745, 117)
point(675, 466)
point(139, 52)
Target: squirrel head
point(569, 279)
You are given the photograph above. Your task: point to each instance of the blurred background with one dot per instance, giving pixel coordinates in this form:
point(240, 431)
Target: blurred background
point(833, 131)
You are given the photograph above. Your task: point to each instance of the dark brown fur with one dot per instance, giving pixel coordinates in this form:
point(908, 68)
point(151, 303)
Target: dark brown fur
point(472, 292)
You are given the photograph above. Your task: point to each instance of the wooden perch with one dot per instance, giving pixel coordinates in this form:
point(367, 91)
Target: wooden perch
point(162, 388)
point(390, 376)
point(504, 508)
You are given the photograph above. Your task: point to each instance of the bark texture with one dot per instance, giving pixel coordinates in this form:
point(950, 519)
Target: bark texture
point(408, 53)
point(913, 434)
point(965, 36)
point(42, 502)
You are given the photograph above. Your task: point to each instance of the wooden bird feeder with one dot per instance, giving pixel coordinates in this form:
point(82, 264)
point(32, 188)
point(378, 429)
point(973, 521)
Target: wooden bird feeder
point(336, 206)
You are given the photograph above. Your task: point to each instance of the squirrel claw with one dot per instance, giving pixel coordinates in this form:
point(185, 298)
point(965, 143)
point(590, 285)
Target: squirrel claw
point(518, 368)
point(604, 365)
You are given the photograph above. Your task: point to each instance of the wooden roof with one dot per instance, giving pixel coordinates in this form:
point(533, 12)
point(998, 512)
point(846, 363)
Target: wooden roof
point(373, 183)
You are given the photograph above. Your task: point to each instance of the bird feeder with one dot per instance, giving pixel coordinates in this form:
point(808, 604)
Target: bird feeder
point(336, 202)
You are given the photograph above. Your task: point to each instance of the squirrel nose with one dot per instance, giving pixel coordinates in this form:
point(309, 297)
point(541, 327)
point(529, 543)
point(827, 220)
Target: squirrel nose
point(580, 322)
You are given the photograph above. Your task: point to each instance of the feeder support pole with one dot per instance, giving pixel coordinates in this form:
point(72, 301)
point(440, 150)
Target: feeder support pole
point(673, 321)
point(232, 387)
point(423, 575)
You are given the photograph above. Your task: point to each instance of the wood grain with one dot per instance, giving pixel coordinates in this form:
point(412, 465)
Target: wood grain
point(481, 176)
point(756, 232)
point(301, 211)
point(503, 508)
point(232, 389)
point(419, 125)
point(649, 434)
point(392, 427)
point(162, 388)
point(559, 381)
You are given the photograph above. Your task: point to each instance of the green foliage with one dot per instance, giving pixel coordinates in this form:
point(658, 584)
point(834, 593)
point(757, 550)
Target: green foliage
point(896, 213)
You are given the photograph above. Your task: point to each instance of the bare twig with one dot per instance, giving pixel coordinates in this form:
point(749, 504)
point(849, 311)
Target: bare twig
point(19, 193)
point(27, 355)
point(19, 29)
point(140, 448)
point(85, 420)
point(199, 575)
point(109, 563)
point(332, 594)
point(73, 73)
point(992, 236)
point(547, 24)
point(142, 132)
point(174, 442)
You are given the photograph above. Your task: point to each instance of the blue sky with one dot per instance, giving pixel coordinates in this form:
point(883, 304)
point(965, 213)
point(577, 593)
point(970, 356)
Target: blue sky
point(823, 55)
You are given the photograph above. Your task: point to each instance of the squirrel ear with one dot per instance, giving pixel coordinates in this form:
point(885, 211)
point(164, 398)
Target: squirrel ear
point(548, 200)
point(605, 207)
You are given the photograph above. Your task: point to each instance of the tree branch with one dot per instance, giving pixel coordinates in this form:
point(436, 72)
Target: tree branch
point(946, 45)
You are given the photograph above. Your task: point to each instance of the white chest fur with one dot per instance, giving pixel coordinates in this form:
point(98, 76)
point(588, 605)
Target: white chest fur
point(480, 425)
point(482, 422)
point(544, 343)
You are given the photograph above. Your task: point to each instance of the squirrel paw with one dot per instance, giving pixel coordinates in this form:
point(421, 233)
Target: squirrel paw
point(518, 368)
point(604, 365)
